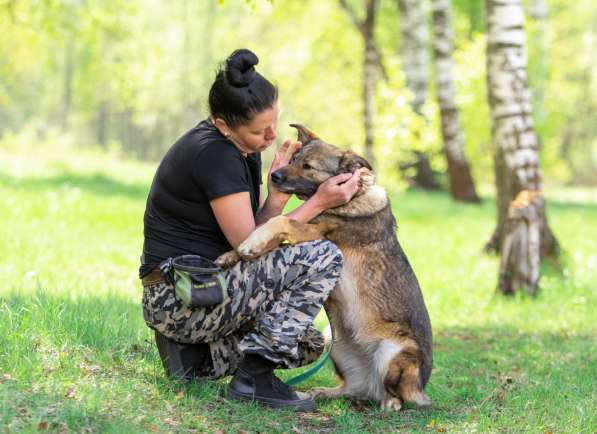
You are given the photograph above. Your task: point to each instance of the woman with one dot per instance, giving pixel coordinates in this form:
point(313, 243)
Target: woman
point(205, 200)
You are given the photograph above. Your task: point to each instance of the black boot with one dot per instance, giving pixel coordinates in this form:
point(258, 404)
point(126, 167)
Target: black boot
point(184, 362)
point(255, 381)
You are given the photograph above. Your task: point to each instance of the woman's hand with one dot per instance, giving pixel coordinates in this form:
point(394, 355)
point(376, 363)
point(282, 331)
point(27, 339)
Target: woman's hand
point(281, 159)
point(336, 191)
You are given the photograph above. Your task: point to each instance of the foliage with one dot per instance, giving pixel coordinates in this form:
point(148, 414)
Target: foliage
point(135, 74)
point(75, 354)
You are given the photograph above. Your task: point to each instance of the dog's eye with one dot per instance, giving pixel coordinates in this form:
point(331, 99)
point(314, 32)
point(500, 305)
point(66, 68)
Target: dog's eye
point(307, 166)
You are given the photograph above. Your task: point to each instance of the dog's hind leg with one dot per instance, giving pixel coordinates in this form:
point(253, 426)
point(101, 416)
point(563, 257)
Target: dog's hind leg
point(402, 377)
point(397, 361)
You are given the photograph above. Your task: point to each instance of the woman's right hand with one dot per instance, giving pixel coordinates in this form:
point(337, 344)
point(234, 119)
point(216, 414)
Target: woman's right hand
point(336, 191)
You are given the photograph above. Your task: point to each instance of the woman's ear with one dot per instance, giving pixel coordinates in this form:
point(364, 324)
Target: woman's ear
point(351, 162)
point(222, 127)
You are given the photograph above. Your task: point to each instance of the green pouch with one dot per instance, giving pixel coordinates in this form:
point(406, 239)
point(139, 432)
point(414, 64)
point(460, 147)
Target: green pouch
point(198, 281)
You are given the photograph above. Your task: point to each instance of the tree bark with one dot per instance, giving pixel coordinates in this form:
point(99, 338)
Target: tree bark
point(521, 257)
point(538, 10)
point(67, 84)
point(515, 141)
point(462, 186)
point(369, 79)
point(414, 49)
point(371, 64)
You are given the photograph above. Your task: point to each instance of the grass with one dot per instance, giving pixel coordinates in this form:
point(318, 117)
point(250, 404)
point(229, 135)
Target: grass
point(75, 354)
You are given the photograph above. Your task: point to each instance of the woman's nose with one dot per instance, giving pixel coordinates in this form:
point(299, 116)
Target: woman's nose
point(270, 134)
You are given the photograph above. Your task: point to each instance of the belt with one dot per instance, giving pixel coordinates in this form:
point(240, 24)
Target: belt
point(153, 277)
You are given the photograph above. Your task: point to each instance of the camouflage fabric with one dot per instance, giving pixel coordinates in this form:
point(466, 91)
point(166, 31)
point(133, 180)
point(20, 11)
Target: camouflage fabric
point(272, 303)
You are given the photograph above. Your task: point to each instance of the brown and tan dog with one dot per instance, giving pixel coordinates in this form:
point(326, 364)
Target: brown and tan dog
point(381, 329)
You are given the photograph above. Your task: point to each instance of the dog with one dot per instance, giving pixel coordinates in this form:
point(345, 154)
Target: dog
point(381, 328)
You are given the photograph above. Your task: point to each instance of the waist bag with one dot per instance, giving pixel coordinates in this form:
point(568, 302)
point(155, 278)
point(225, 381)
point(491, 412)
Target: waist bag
point(198, 281)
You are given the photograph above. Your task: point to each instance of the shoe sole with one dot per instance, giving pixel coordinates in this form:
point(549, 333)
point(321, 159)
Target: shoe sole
point(301, 405)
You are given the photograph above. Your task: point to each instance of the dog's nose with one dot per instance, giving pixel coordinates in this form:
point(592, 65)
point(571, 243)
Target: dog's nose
point(278, 177)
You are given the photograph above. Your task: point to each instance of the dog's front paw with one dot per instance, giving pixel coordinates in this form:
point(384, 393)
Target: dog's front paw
point(258, 243)
point(327, 392)
point(227, 260)
point(248, 250)
point(391, 403)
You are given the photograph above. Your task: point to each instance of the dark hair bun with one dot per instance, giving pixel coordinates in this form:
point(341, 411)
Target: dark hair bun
point(240, 67)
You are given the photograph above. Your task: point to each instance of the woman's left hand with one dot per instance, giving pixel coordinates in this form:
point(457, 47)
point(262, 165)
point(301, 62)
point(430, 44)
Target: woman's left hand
point(281, 159)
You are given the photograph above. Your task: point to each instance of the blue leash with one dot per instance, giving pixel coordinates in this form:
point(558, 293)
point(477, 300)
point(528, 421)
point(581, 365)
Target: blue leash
point(312, 370)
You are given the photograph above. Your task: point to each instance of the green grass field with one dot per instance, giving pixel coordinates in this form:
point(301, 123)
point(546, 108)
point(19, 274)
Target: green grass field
point(75, 354)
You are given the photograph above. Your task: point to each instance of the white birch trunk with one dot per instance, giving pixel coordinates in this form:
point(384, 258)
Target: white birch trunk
point(461, 182)
point(538, 10)
point(515, 141)
point(414, 49)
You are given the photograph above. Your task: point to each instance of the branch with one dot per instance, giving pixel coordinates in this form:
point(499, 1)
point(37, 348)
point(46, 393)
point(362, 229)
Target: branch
point(353, 16)
point(360, 25)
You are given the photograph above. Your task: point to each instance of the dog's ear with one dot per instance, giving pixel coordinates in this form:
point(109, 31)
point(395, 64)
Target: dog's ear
point(351, 162)
point(304, 135)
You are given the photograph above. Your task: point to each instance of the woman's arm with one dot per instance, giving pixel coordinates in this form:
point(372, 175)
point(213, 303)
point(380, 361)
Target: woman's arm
point(234, 215)
point(269, 208)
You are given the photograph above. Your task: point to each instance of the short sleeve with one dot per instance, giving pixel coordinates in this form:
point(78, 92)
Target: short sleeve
point(219, 170)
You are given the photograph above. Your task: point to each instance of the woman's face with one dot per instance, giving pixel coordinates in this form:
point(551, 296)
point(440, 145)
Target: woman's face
point(258, 134)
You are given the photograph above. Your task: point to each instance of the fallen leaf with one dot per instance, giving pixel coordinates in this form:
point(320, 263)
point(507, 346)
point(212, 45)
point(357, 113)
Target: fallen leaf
point(6, 378)
point(42, 426)
point(171, 422)
point(180, 394)
point(70, 393)
point(442, 430)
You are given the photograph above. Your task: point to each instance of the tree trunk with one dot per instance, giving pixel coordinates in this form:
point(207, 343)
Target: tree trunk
point(538, 10)
point(67, 84)
point(371, 64)
point(521, 257)
point(515, 142)
point(413, 50)
point(462, 186)
point(369, 78)
point(102, 124)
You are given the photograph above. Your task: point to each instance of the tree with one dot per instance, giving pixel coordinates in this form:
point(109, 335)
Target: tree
point(522, 231)
point(414, 50)
point(414, 53)
point(462, 186)
point(371, 64)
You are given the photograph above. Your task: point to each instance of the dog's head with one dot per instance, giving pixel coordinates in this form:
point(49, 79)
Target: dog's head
point(316, 162)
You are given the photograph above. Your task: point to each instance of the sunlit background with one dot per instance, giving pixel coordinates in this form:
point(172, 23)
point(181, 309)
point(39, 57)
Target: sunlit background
point(131, 76)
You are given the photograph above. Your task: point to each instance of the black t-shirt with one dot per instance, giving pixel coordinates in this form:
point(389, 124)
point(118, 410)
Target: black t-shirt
point(202, 165)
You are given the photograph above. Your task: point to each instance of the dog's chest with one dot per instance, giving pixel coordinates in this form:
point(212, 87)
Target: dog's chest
point(345, 300)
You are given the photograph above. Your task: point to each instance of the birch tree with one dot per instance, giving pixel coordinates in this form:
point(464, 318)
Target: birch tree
point(414, 49)
point(371, 65)
point(538, 10)
point(462, 186)
point(522, 231)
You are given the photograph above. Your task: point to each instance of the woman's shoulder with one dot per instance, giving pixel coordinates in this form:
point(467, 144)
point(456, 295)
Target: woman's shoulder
point(205, 141)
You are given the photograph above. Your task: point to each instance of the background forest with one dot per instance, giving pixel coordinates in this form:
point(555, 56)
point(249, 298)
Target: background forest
point(92, 93)
point(131, 76)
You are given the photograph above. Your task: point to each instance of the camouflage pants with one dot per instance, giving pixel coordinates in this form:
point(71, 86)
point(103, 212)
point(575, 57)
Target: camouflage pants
point(272, 303)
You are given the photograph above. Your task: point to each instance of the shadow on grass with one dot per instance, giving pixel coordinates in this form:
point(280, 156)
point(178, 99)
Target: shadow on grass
point(492, 377)
point(96, 183)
